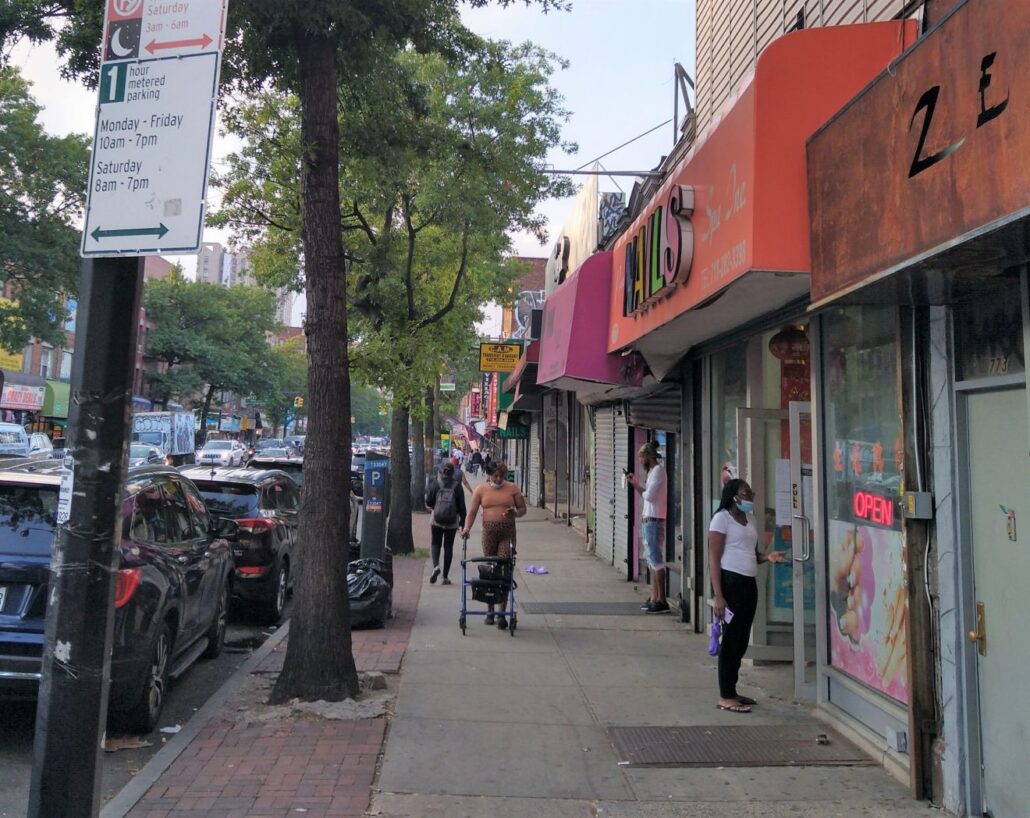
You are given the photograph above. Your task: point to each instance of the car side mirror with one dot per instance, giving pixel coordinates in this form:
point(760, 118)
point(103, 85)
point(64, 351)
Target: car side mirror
point(225, 529)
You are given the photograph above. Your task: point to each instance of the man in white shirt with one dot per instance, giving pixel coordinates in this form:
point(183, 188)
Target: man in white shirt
point(652, 523)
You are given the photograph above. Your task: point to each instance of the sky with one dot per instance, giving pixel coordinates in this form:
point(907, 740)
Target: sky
point(618, 85)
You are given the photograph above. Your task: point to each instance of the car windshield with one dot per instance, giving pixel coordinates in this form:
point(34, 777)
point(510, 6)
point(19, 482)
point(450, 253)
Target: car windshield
point(217, 445)
point(28, 519)
point(275, 453)
point(269, 444)
point(141, 452)
point(226, 500)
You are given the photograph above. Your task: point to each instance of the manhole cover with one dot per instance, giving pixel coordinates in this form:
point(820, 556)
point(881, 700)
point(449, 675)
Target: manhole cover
point(583, 608)
point(734, 746)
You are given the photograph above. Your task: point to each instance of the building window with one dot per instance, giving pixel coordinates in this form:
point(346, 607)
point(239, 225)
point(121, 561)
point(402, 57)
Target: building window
point(45, 362)
point(66, 364)
point(863, 463)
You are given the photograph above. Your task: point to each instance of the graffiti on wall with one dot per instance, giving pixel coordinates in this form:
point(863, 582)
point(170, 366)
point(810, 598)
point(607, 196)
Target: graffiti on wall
point(527, 301)
point(609, 213)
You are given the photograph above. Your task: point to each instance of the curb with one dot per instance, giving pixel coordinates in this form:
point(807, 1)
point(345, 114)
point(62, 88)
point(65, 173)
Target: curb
point(133, 792)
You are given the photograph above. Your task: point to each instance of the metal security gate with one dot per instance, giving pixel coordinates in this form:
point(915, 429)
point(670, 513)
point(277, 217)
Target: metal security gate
point(659, 410)
point(604, 483)
point(533, 498)
point(622, 499)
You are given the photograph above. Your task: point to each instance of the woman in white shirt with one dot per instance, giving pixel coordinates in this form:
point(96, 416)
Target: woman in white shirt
point(733, 564)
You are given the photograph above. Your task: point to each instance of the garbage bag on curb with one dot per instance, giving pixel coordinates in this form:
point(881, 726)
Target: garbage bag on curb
point(371, 598)
point(382, 567)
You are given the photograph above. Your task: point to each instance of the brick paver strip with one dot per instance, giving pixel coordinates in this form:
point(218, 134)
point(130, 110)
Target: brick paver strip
point(314, 769)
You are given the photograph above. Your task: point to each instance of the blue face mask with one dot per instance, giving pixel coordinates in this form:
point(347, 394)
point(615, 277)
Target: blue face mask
point(747, 506)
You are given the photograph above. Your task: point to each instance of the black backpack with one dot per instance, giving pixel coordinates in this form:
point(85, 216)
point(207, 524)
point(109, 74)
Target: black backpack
point(445, 509)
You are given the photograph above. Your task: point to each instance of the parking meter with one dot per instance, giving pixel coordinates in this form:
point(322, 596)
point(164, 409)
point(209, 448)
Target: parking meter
point(376, 506)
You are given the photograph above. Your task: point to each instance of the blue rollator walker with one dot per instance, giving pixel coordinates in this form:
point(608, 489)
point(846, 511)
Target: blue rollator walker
point(496, 574)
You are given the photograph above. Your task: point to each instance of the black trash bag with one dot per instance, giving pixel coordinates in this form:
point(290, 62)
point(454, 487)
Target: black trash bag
point(382, 567)
point(370, 599)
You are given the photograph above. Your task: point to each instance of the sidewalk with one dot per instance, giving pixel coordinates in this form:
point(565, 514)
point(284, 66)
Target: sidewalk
point(491, 725)
point(296, 766)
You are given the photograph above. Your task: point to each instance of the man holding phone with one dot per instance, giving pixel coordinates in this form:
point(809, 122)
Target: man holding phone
point(652, 523)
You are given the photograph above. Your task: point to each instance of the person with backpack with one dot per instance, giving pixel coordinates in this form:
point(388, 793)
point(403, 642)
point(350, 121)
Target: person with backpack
point(447, 501)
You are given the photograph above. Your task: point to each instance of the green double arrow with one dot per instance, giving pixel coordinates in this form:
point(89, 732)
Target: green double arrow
point(158, 231)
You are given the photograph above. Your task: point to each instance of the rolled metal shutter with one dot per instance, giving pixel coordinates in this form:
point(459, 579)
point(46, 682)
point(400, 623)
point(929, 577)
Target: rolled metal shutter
point(659, 410)
point(534, 461)
point(604, 483)
point(620, 521)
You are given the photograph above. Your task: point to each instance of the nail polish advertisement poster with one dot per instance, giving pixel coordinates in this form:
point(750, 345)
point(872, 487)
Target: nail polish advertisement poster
point(868, 606)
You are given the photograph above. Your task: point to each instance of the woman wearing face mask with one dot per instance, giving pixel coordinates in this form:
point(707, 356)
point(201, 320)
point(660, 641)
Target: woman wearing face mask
point(733, 564)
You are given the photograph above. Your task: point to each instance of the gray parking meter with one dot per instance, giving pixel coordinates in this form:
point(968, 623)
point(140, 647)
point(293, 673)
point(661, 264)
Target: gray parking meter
point(377, 506)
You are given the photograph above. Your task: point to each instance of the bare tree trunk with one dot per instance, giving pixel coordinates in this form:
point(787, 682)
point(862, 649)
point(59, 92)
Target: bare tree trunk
point(206, 411)
point(319, 660)
point(418, 473)
point(398, 527)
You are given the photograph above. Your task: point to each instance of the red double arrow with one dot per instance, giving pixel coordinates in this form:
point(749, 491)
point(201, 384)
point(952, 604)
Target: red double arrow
point(203, 42)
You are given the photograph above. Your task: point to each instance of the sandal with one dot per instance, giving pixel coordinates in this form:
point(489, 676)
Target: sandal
point(734, 708)
point(746, 700)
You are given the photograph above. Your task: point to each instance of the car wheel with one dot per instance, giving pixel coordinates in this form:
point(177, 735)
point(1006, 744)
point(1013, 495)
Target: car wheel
point(216, 633)
point(277, 607)
point(145, 715)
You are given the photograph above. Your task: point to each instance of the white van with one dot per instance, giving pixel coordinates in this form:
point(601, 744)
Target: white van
point(13, 440)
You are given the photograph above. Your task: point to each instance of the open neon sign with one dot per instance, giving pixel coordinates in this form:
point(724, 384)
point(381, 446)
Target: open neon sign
point(873, 507)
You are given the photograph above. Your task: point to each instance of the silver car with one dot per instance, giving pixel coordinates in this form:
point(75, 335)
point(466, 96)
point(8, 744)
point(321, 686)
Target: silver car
point(222, 453)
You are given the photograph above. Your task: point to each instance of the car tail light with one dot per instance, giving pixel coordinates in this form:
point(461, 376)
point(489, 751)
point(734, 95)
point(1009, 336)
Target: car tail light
point(253, 570)
point(128, 582)
point(255, 525)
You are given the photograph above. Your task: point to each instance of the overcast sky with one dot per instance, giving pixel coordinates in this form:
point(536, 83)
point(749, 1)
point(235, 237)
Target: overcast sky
point(619, 84)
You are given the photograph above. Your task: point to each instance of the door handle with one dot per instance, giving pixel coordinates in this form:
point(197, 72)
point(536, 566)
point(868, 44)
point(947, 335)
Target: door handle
point(979, 636)
point(806, 552)
point(183, 560)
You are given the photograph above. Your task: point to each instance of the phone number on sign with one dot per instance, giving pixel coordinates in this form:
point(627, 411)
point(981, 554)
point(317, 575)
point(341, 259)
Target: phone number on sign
point(727, 264)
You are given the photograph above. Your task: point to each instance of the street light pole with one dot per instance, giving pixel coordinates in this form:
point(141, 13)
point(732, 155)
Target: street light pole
point(72, 711)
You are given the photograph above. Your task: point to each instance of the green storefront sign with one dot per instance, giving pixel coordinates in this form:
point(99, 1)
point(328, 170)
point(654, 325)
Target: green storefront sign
point(514, 432)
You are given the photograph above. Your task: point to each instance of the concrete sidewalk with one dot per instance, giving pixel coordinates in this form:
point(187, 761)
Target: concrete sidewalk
point(491, 725)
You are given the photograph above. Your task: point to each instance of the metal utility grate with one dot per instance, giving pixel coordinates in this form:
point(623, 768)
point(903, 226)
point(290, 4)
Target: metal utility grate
point(734, 746)
point(583, 608)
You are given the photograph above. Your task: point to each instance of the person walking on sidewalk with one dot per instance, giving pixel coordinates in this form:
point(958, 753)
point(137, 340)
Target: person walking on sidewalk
point(502, 503)
point(447, 502)
point(652, 523)
point(475, 461)
point(733, 557)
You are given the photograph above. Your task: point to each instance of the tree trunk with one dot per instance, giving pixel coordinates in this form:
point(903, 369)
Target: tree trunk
point(206, 411)
point(432, 428)
point(319, 661)
point(398, 527)
point(418, 473)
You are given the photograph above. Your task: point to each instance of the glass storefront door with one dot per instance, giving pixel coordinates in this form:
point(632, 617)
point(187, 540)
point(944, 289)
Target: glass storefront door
point(774, 456)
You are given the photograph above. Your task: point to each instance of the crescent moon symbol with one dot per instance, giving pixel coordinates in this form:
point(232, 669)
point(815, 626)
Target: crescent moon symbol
point(117, 48)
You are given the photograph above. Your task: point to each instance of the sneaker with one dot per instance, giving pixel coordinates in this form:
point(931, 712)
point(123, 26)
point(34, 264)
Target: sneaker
point(646, 606)
point(445, 581)
point(489, 619)
point(502, 623)
point(433, 577)
point(658, 608)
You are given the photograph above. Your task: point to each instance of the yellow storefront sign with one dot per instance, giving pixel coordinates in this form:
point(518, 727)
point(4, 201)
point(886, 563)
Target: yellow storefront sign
point(499, 357)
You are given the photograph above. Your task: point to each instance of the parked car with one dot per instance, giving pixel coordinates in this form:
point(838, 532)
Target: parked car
point(143, 453)
point(172, 590)
point(264, 503)
point(269, 443)
point(40, 445)
point(280, 453)
point(222, 453)
point(293, 466)
point(295, 442)
point(14, 440)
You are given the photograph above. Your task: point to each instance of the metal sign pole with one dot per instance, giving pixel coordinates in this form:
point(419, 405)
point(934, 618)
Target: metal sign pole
point(72, 711)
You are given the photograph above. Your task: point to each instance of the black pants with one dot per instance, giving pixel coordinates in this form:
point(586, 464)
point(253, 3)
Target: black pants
point(445, 537)
point(741, 595)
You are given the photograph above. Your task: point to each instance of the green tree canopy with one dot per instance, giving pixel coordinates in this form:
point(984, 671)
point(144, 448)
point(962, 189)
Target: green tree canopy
point(42, 185)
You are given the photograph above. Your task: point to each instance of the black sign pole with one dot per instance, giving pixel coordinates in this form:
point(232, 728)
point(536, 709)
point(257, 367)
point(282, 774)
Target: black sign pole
point(72, 711)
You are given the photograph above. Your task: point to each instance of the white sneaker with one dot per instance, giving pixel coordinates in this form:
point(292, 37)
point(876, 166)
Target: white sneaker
point(435, 575)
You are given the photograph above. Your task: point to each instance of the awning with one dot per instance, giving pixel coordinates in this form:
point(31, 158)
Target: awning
point(22, 392)
point(524, 373)
point(140, 402)
point(56, 399)
point(724, 240)
point(920, 183)
point(574, 348)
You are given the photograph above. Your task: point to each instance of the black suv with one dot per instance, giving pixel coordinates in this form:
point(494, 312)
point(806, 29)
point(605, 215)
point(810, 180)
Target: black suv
point(171, 596)
point(265, 504)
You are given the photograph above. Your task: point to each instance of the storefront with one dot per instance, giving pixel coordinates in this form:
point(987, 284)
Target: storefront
point(710, 285)
point(920, 284)
point(22, 397)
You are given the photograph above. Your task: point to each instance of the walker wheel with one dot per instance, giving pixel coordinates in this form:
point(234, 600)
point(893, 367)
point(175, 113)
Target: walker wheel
point(513, 625)
point(461, 624)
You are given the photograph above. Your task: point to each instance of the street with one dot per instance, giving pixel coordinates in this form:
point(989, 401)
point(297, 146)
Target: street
point(17, 721)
